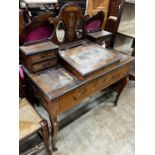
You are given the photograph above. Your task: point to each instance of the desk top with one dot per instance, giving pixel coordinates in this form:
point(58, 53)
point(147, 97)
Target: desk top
point(57, 81)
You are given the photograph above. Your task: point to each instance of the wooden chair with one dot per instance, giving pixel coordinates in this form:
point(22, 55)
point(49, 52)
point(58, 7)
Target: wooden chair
point(30, 122)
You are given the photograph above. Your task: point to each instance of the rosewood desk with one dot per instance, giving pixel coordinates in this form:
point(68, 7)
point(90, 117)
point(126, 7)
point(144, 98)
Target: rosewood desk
point(58, 90)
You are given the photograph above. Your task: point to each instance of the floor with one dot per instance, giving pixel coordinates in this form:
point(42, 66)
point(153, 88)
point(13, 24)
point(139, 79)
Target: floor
point(98, 128)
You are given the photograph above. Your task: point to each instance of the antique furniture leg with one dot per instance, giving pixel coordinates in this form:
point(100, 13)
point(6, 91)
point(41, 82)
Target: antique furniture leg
point(54, 127)
point(132, 77)
point(45, 134)
point(121, 87)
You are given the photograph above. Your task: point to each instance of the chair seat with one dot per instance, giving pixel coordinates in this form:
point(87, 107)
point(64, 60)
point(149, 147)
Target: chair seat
point(29, 119)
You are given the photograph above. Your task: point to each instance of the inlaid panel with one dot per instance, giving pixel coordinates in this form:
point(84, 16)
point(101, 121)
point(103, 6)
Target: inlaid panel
point(75, 96)
point(43, 65)
point(89, 58)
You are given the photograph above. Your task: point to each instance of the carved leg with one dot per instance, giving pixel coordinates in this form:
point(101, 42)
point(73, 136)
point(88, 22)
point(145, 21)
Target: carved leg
point(45, 134)
point(122, 85)
point(54, 126)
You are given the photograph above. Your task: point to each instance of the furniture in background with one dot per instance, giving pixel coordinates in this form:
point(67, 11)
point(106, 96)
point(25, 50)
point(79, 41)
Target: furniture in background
point(114, 16)
point(127, 22)
point(112, 10)
point(125, 37)
point(81, 3)
point(93, 7)
point(30, 123)
point(36, 7)
point(94, 30)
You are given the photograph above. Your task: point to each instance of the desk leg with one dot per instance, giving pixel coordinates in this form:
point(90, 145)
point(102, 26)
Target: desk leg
point(45, 134)
point(121, 87)
point(54, 124)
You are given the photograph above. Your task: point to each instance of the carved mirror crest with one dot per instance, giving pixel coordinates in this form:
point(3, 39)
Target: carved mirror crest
point(69, 24)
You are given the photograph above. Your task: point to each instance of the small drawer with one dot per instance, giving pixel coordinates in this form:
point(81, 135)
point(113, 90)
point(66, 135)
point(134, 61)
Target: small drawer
point(43, 56)
point(43, 65)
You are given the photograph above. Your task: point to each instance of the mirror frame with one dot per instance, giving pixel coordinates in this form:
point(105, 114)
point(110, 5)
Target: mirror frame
point(81, 25)
point(56, 31)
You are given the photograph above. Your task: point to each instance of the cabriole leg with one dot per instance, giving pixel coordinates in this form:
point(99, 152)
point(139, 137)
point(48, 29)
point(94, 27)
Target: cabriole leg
point(45, 134)
point(54, 124)
point(123, 83)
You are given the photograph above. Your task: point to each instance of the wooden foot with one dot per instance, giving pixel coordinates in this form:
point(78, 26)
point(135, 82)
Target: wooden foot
point(131, 77)
point(120, 87)
point(54, 123)
point(45, 134)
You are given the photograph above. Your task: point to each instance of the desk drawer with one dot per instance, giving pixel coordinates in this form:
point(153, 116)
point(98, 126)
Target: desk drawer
point(43, 56)
point(43, 65)
point(75, 96)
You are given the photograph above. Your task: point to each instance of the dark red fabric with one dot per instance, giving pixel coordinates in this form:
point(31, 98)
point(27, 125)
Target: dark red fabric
point(39, 33)
point(94, 25)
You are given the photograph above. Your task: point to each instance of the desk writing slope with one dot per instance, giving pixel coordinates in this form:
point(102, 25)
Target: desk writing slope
point(87, 59)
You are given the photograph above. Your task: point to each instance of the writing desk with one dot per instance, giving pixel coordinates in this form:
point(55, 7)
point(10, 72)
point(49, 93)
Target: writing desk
point(58, 90)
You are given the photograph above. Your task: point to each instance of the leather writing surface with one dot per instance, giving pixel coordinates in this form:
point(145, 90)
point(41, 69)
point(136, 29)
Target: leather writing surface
point(89, 58)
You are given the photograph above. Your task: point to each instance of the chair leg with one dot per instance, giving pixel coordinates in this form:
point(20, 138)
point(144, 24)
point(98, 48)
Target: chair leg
point(45, 134)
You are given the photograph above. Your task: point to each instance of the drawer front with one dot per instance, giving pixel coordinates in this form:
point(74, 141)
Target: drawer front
point(43, 65)
point(43, 56)
point(73, 97)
